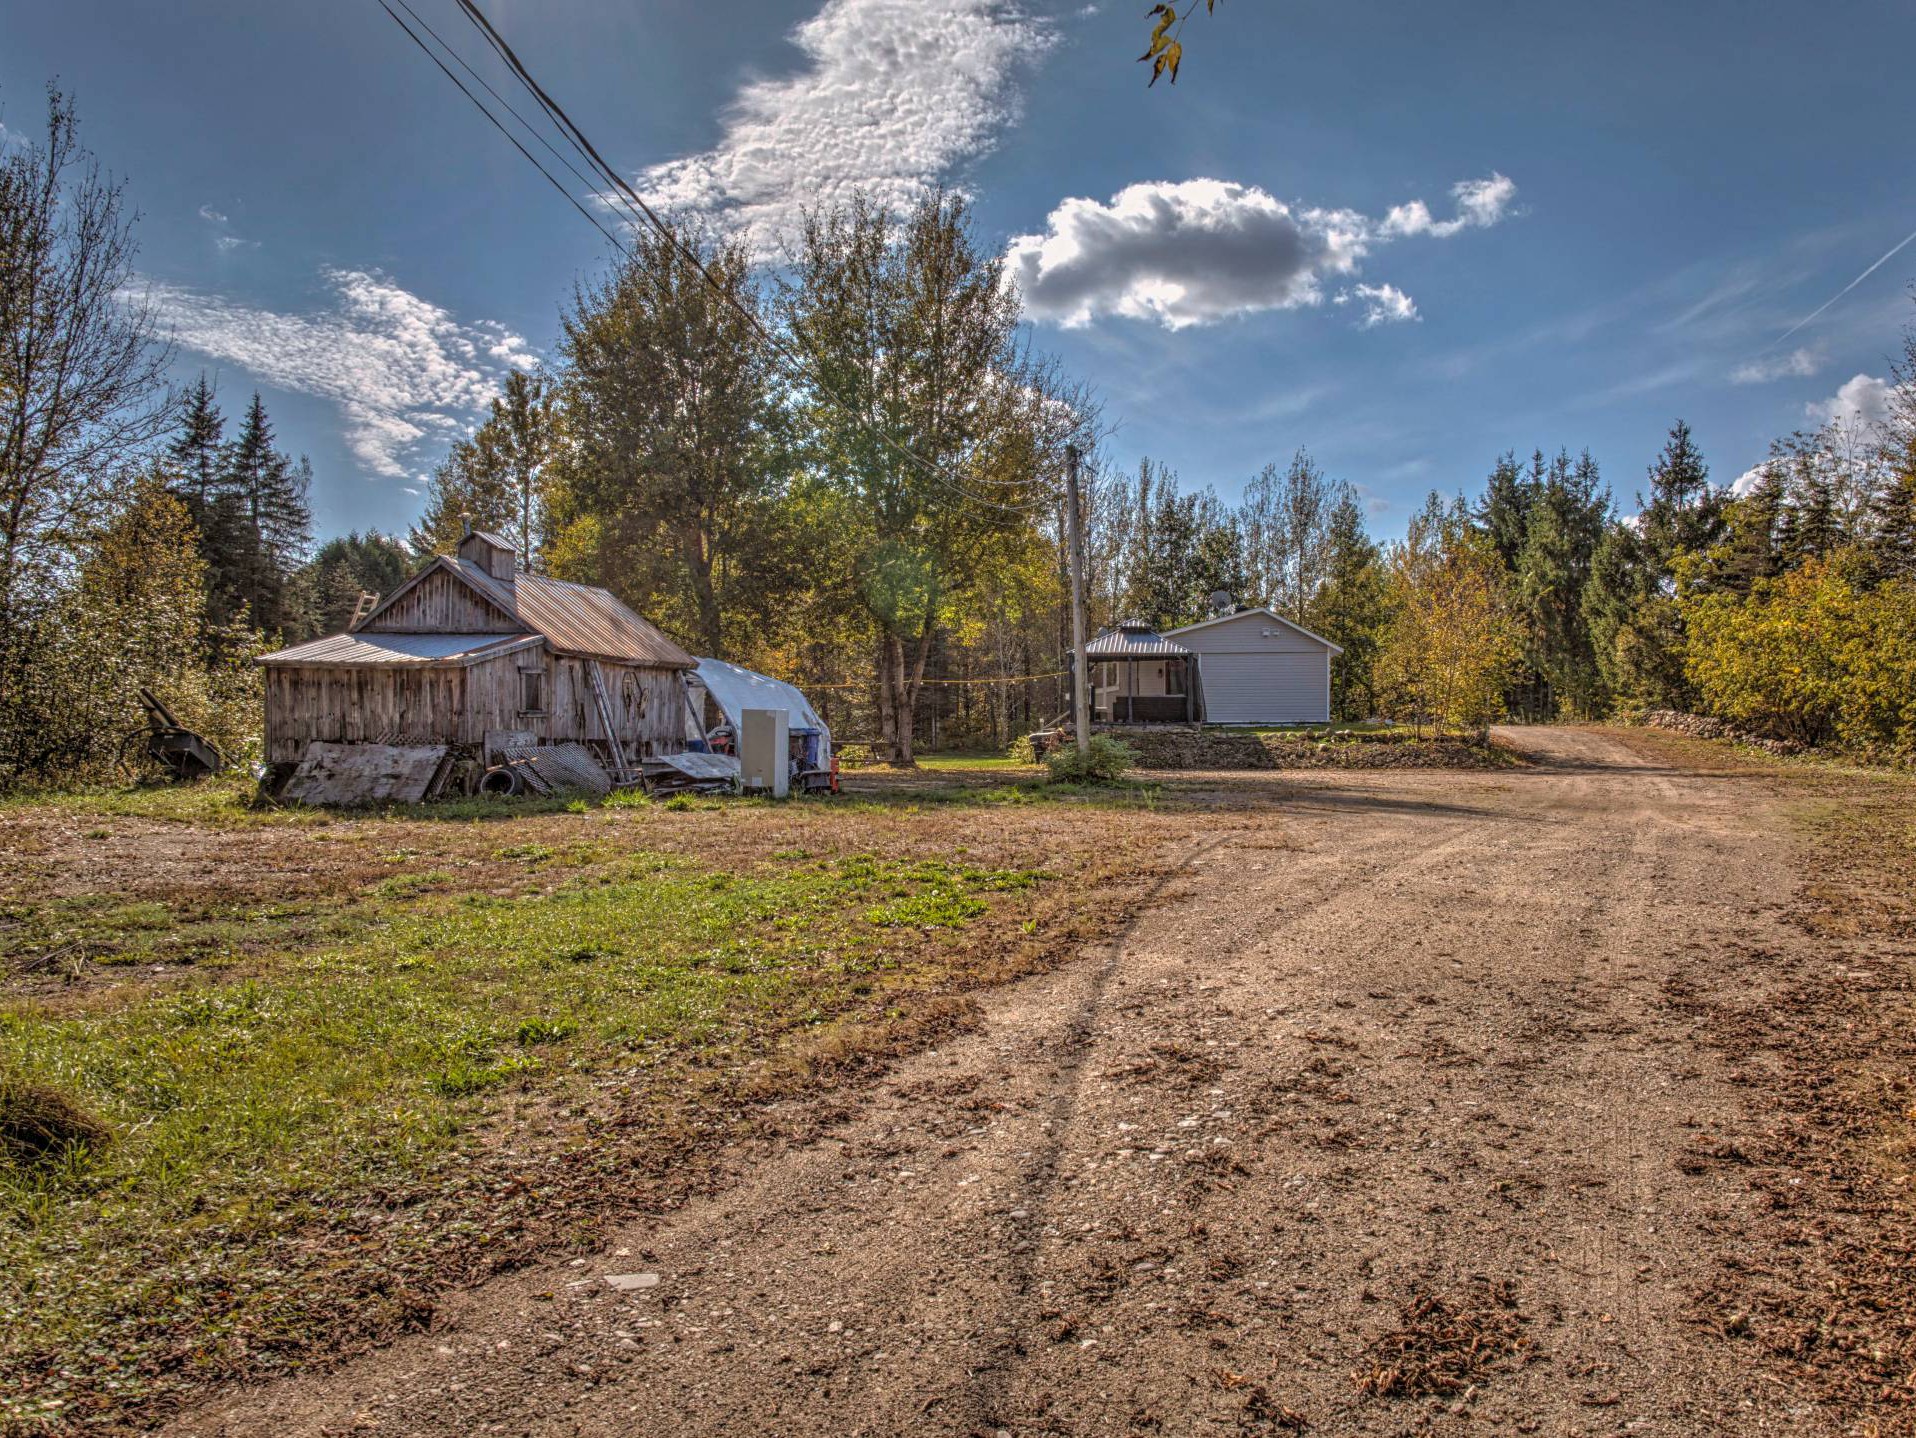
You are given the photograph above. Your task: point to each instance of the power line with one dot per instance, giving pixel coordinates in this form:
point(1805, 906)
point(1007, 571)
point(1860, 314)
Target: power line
point(506, 105)
point(480, 106)
point(634, 201)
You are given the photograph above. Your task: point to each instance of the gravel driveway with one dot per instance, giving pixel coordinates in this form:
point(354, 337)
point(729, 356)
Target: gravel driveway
point(1381, 1122)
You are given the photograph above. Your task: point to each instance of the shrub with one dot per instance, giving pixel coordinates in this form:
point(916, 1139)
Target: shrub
point(1815, 656)
point(1103, 761)
point(38, 1122)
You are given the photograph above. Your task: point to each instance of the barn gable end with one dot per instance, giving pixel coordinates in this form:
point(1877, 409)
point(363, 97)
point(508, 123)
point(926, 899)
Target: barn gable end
point(439, 600)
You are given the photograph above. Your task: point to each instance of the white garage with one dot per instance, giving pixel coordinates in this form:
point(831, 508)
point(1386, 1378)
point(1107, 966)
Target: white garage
point(1257, 667)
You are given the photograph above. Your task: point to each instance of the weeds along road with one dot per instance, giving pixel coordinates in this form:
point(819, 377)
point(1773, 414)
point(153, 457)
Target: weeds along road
point(1376, 1124)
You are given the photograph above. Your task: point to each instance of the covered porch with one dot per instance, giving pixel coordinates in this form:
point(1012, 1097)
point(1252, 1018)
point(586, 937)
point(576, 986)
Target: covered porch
point(1140, 677)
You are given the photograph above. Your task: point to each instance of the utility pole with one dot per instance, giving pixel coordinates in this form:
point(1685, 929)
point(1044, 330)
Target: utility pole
point(1074, 541)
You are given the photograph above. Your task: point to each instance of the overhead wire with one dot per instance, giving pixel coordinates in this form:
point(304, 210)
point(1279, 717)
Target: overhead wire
point(636, 207)
point(479, 105)
point(506, 105)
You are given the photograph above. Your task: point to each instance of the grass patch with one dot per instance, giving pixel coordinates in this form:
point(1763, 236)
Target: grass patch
point(247, 1116)
point(40, 1125)
point(984, 763)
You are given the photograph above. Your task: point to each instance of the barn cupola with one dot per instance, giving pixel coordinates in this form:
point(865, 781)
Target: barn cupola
point(490, 553)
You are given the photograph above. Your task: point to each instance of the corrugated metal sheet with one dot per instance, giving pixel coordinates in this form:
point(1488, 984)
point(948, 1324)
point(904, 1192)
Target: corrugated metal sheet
point(419, 649)
point(579, 619)
point(1133, 643)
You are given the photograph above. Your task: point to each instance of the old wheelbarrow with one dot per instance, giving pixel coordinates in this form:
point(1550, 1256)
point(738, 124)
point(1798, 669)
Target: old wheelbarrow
point(164, 744)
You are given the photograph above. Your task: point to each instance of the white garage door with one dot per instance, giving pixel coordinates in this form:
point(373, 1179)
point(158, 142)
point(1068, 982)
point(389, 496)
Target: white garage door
point(1265, 688)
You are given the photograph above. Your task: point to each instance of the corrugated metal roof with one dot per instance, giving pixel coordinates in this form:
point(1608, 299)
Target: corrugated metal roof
point(419, 649)
point(1133, 642)
point(578, 618)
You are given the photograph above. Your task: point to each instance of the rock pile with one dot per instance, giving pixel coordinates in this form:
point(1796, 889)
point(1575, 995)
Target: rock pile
point(1702, 726)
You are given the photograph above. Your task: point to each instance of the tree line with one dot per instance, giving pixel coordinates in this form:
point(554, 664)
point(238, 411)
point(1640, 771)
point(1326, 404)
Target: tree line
point(141, 543)
point(846, 472)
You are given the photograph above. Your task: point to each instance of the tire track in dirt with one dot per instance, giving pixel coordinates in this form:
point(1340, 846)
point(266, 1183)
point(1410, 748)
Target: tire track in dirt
point(1402, 1036)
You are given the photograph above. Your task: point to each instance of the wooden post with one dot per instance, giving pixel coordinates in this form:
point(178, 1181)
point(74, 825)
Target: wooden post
point(1074, 541)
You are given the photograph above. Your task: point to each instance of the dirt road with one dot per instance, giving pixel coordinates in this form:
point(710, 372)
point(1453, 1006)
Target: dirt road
point(1388, 1096)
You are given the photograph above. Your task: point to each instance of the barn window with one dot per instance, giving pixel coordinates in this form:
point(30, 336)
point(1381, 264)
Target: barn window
point(532, 691)
point(1174, 675)
point(634, 697)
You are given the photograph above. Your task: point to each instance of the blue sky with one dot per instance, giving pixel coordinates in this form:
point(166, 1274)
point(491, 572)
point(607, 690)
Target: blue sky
point(1405, 237)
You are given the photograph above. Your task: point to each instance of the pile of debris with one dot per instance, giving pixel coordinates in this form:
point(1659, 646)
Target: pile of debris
point(1447, 1348)
point(1702, 726)
point(1190, 747)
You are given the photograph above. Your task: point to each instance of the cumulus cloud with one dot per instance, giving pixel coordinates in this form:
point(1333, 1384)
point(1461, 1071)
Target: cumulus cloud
point(1480, 204)
point(401, 369)
point(1383, 304)
point(1799, 363)
point(1183, 253)
point(1193, 252)
point(895, 93)
point(1862, 403)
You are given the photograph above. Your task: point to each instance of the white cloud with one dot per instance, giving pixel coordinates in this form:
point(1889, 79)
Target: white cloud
point(1798, 362)
point(211, 215)
point(1480, 204)
point(1383, 304)
point(1862, 403)
point(401, 369)
point(895, 94)
point(1747, 481)
point(1194, 252)
point(1185, 253)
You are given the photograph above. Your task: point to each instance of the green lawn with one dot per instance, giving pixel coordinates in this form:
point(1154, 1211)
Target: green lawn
point(323, 1098)
point(985, 762)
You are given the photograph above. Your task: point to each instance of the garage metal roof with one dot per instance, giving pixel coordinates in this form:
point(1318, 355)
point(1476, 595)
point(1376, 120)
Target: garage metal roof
point(421, 650)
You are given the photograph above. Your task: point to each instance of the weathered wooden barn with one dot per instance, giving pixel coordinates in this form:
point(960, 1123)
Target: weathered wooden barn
point(471, 645)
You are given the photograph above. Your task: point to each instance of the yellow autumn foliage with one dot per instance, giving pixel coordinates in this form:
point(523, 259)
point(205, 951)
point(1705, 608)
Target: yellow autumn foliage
point(1816, 655)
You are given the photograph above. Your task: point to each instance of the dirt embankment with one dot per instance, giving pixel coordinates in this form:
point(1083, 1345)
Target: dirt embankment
point(1405, 1114)
point(1177, 748)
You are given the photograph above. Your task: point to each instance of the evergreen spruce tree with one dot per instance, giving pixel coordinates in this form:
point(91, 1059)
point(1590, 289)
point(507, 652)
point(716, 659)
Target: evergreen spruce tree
point(1350, 609)
point(1566, 520)
point(197, 458)
point(268, 492)
point(1892, 504)
point(327, 587)
point(195, 450)
point(1684, 514)
point(1503, 513)
point(1750, 551)
point(1892, 539)
point(1630, 603)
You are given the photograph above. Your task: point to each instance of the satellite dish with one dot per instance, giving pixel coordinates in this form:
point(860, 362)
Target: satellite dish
point(1221, 601)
